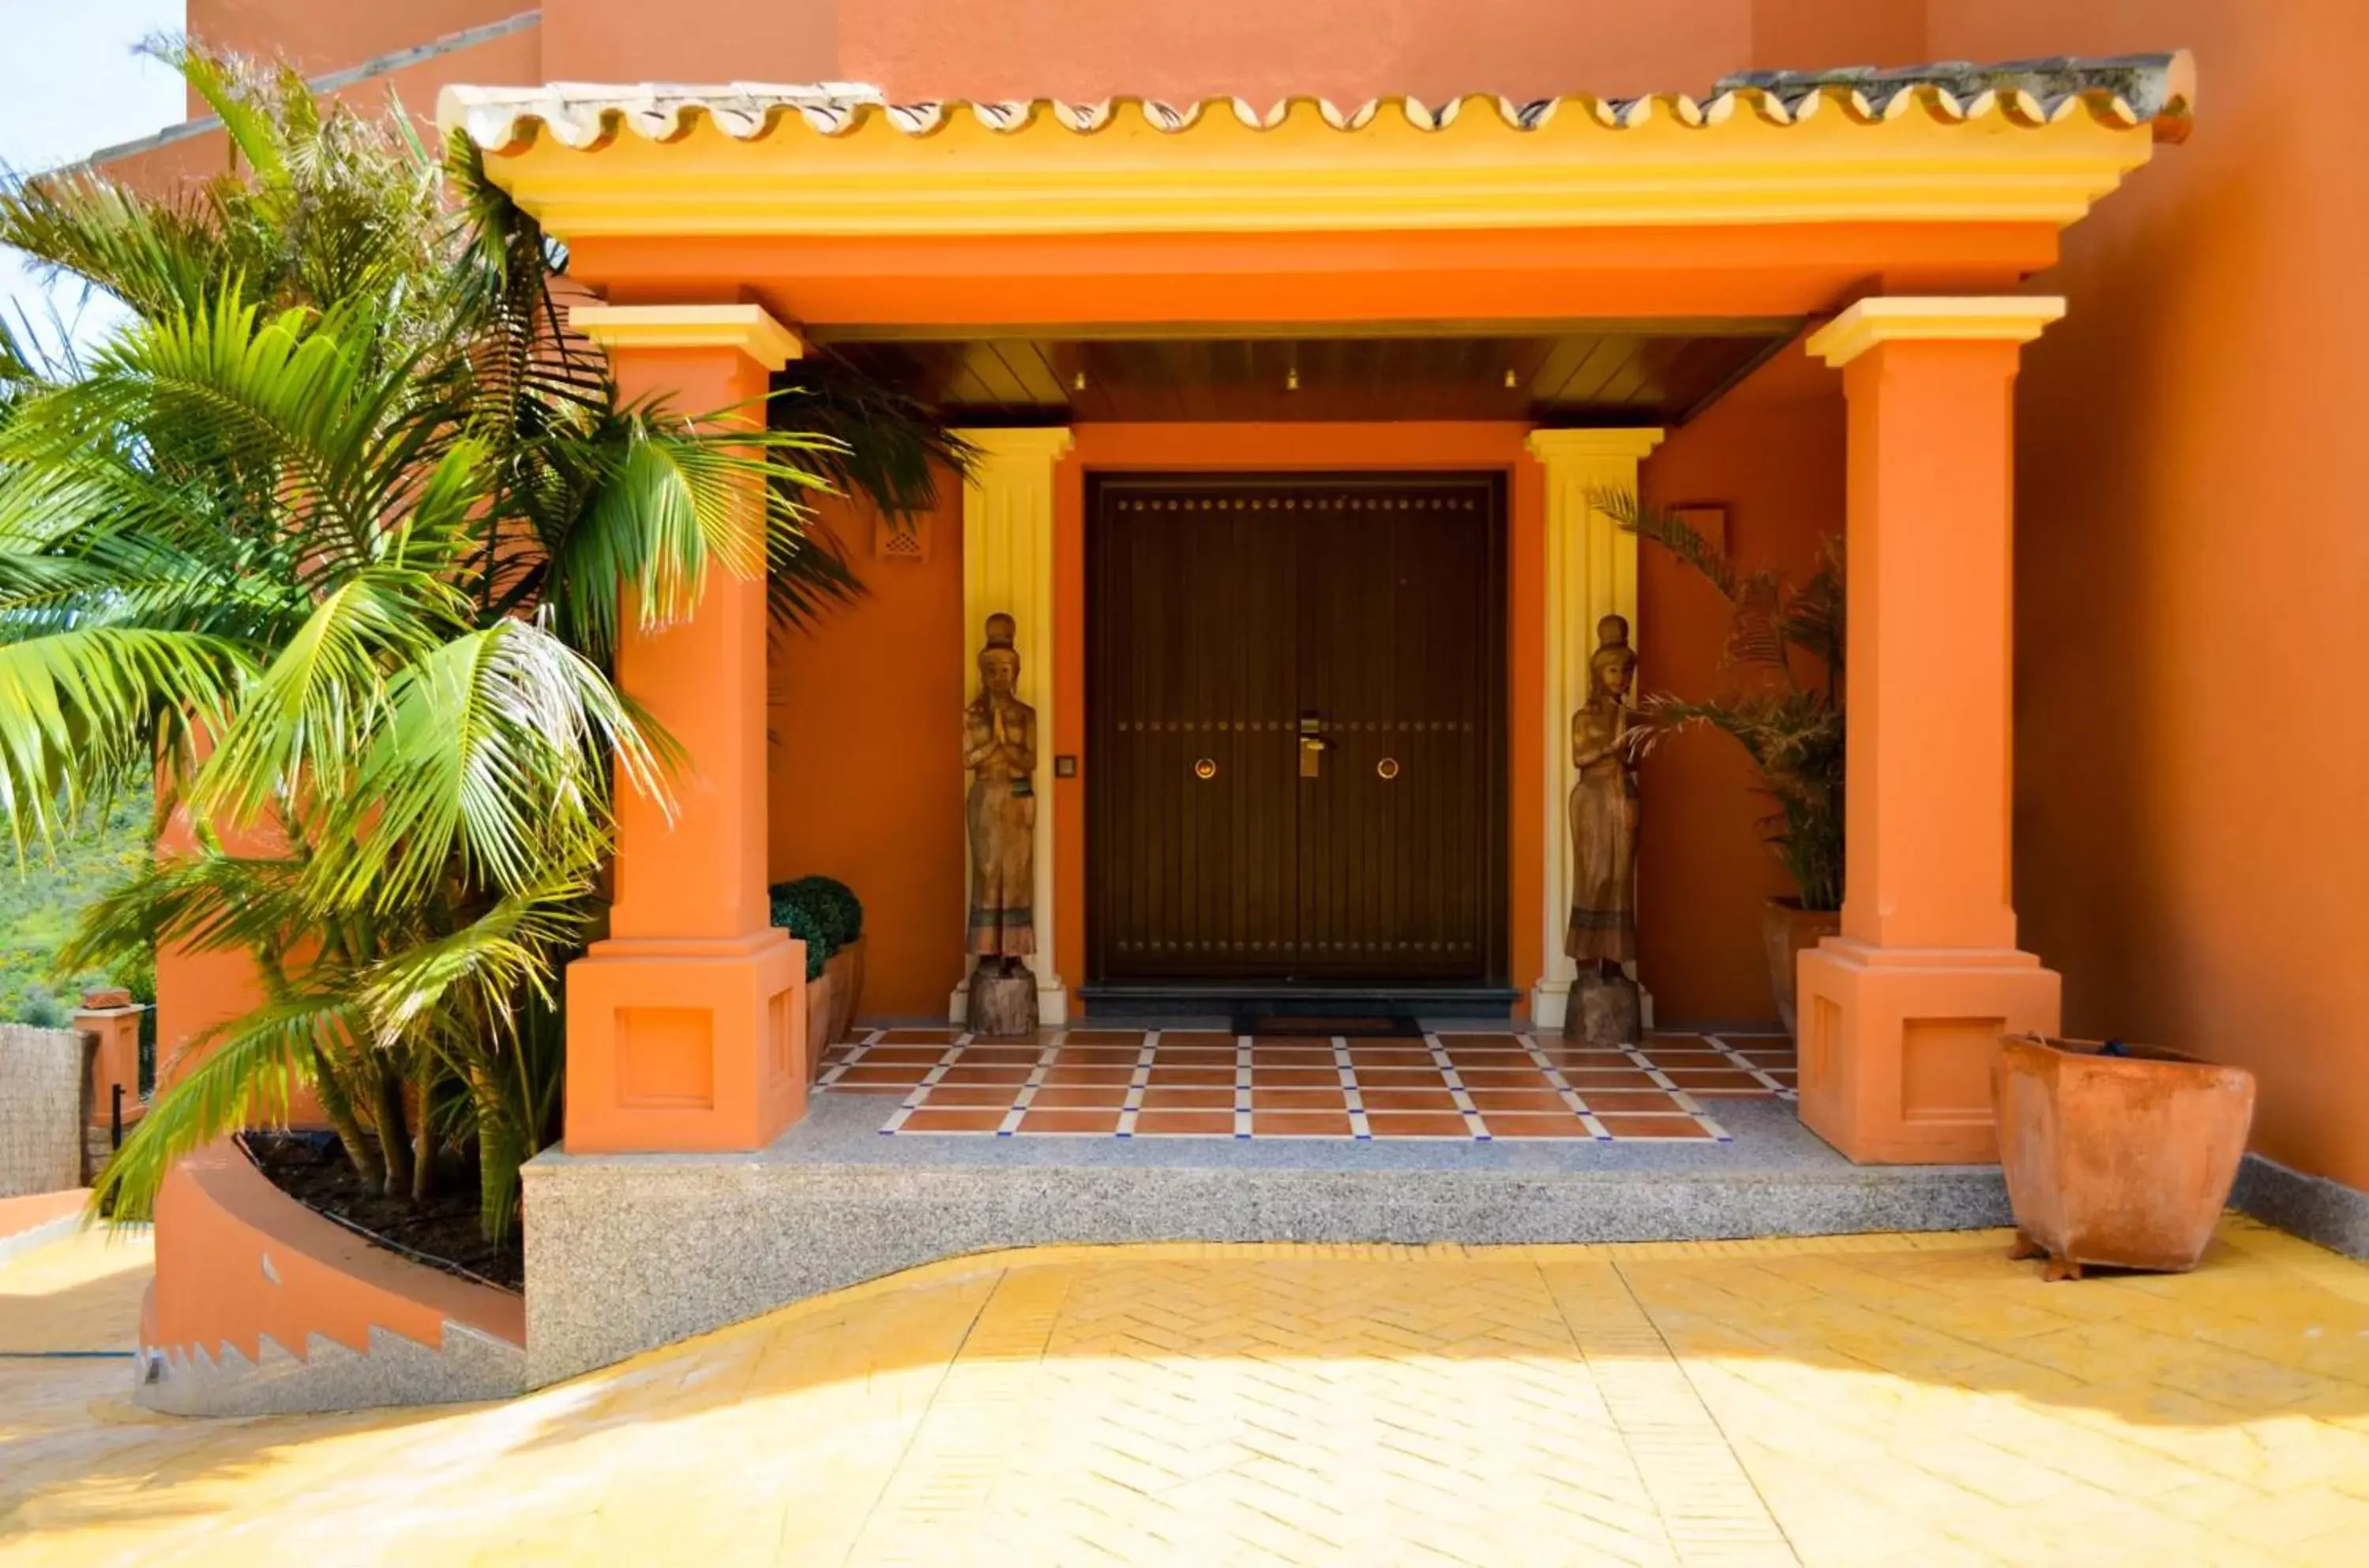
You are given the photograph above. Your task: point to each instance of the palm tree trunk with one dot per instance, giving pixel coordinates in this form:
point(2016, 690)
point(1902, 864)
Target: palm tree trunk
point(339, 1108)
point(394, 1141)
point(423, 1148)
point(499, 1154)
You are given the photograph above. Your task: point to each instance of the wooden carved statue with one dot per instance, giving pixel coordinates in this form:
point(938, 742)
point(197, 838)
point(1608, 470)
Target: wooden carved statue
point(999, 751)
point(1602, 935)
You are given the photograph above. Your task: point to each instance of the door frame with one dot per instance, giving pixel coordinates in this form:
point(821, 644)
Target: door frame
point(1496, 701)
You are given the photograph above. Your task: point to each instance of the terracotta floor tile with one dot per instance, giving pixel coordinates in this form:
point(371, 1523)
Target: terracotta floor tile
point(1299, 1100)
point(1564, 1126)
point(1418, 1124)
point(1000, 1056)
point(944, 1094)
point(883, 1056)
point(1399, 1078)
point(1546, 1101)
point(1366, 1058)
point(1069, 1121)
point(1267, 1077)
point(1187, 1099)
point(1654, 1127)
point(1098, 1056)
point(910, 1037)
point(895, 1091)
point(1408, 1099)
point(1103, 1037)
point(1197, 1077)
point(1510, 1057)
point(1285, 1047)
point(1725, 1078)
point(964, 1073)
point(1202, 1038)
point(1192, 1056)
point(907, 1075)
point(1089, 1075)
point(1589, 1082)
point(1505, 1042)
point(1501, 1077)
point(1559, 1055)
point(1689, 1059)
point(1176, 1124)
point(1612, 1100)
point(1288, 1059)
point(1079, 1097)
point(1299, 1124)
point(927, 1120)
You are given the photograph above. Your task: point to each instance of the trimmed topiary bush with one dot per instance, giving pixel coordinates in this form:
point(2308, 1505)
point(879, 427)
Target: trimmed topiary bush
point(830, 901)
point(802, 922)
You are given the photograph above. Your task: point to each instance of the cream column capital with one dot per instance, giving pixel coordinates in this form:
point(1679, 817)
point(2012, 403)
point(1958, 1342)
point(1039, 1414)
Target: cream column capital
point(1041, 443)
point(1551, 447)
point(1969, 318)
point(753, 330)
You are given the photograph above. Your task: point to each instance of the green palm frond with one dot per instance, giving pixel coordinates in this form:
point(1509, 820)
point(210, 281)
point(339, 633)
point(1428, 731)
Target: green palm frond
point(491, 757)
point(1792, 733)
point(76, 706)
point(240, 1073)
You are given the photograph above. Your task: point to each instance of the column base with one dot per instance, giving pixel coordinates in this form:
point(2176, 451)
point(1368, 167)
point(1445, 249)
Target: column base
point(690, 1046)
point(1897, 1045)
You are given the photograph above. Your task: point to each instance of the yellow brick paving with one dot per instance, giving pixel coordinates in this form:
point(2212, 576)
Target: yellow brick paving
point(1871, 1400)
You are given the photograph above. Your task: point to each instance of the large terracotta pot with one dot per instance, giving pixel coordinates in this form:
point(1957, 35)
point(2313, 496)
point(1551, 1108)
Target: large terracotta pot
point(1786, 929)
point(819, 995)
point(845, 968)
point(2124, 1161)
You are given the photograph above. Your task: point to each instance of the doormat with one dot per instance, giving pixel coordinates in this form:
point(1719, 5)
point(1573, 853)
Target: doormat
point(1298, 1025)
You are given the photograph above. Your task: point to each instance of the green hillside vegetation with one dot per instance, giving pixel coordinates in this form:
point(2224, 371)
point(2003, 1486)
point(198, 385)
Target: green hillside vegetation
point(40, 895)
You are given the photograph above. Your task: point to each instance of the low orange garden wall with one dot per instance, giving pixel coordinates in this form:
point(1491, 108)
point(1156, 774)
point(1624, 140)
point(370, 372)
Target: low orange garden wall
point(260, 1305)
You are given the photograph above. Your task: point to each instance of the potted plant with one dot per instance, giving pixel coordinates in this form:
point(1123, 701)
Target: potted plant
point(2116, 1156)
point(1785, 654)
point(832, 907)
point(798, 918)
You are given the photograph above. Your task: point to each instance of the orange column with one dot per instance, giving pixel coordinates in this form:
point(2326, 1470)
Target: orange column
point(686, 1028)
point(1901, 1013)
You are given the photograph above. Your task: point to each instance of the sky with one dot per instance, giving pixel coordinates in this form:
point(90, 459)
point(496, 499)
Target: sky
point(70, 84)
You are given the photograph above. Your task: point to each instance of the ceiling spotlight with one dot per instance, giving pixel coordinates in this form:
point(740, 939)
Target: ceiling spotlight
point(1510, 381)
point(1291, 379)
point(1078, 382)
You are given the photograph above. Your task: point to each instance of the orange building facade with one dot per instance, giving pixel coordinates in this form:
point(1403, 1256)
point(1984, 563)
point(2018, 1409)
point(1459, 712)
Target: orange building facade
point(2080, 790)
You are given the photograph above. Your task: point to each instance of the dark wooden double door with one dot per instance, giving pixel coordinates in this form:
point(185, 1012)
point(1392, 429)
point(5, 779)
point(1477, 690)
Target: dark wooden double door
point(1296, 699)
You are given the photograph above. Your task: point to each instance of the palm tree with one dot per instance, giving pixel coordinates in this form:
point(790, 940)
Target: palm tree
point(1791, 728)
point(329, 543)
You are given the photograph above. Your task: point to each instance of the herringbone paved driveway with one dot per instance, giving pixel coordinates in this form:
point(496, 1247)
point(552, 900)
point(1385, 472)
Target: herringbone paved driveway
point(1882, 1400)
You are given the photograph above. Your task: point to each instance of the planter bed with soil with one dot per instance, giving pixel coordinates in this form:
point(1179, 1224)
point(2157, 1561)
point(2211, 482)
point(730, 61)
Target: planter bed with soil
point(441, 1231)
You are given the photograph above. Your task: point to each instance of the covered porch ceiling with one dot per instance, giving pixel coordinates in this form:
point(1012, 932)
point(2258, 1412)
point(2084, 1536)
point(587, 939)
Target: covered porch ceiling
point(1593, 374)
point(1780, 196)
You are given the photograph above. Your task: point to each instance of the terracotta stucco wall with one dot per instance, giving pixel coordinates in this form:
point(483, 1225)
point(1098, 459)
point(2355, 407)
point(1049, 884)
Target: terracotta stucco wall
point(865, 780)
point(2191, 556)
point(1770, 456)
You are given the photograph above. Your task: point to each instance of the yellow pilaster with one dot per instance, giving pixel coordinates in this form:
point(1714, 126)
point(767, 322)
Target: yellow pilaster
point(1591, 571)
point(1008, 567)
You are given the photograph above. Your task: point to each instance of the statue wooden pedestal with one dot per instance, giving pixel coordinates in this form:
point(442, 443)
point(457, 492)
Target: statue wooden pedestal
point(1603, 1010)
point(1001, 1005)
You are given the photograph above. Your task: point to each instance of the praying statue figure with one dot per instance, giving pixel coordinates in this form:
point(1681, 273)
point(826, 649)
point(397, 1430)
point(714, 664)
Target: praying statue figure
point(1000, 751)
point(1602, 936)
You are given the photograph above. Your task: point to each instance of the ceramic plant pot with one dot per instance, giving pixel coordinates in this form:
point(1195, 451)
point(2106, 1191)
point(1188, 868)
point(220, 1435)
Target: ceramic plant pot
point(1786, 929)
point(2121, 1161)
point(819, 995)
point(846, 971)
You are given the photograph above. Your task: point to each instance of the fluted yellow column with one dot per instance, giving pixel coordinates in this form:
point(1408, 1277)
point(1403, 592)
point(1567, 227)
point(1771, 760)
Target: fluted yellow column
point(1008, 567)
point(1591, 572)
